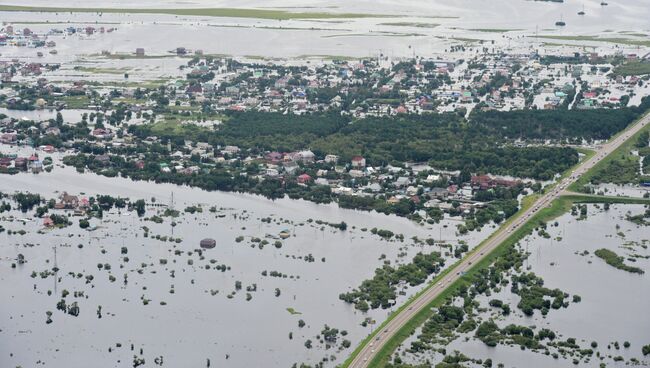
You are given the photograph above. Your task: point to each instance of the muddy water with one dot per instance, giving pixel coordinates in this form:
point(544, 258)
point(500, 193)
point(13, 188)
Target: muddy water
point(194, 325)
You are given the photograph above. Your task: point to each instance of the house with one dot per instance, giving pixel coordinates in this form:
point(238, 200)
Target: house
point(231, 150)
point(273, 157)
point(303, 179)
point(5, 162)
point(68, 201)
point(358, 161)
point(441, 193)
point(36, 166)
point(194, 89)
point(272, 173)
point(333, 159)
point(402, 181)
point(103, 159)
point(8, 138)
point(356, 173)
point(484, 182)
point(322, 181)
point(47, 148)
point(304, 156)
point(290, 167)
point(101, 133)
point(20, 163)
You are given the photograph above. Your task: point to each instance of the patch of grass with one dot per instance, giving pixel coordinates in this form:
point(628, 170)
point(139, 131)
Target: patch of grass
point(622, 41)
point(292, 311)
point(209, 12)
point(122, 56)
point(174, 128)
point(468, 40)
point(410, 24)
point(374, 34)
point(494, 30)
point(94, 70)
point(76, 102)
point(633, 68)
point(616, 261)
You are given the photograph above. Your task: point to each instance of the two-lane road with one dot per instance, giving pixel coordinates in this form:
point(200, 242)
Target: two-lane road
point(369, 351)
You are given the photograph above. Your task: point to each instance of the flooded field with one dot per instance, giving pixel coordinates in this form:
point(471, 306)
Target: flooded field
point(613, 306)
point(391, 28)
point(166, 298)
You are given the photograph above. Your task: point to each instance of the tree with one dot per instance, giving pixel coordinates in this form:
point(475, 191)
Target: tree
point(140, 207)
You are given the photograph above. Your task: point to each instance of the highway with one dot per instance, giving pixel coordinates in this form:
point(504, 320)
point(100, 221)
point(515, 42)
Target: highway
point(369, 350)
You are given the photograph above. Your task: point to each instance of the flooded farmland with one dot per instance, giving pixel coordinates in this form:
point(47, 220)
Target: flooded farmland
point(170, 300)
point(613, 304)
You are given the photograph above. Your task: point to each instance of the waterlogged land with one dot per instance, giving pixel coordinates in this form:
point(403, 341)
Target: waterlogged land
point(205, 12)
point(501, 322)
point(144, 281)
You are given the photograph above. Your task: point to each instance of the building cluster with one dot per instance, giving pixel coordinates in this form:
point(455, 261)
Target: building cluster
point(25, 37)
point(379, 88)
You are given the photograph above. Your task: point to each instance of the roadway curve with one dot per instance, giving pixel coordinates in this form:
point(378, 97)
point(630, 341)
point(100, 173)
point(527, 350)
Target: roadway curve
point(370, 350)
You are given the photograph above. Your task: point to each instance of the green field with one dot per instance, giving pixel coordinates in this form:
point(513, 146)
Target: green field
point(76, 102)
point(620, 153)
point(633, 68)
point(209, 12)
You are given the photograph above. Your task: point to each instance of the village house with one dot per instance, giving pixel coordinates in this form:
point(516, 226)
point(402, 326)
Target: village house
point(358, 162)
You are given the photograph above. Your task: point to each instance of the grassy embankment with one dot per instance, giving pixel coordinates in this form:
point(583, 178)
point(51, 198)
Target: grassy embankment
point(209, 12)
point(616, 40)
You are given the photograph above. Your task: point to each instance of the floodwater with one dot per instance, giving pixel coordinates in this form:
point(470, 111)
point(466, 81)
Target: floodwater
point(392, 32)
point(194, 325)
point(614, 302)
point(69, 115)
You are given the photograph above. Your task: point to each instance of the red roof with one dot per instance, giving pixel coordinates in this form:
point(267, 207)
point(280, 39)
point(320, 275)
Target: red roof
point(304, 178)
